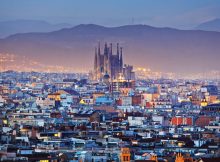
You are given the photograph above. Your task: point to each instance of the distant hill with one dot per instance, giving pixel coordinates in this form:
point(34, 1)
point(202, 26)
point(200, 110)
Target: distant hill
point(213, 25)
point(162, 49)
point(25, 26)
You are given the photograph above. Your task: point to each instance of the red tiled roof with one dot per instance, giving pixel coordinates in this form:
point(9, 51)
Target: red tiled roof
point(204, 121)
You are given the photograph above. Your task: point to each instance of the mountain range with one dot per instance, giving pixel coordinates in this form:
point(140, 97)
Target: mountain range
point(161, 49)
point(25, 26)
point(213, 25)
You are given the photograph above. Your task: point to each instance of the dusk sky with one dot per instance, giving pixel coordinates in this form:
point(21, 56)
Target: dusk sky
point(183, 14)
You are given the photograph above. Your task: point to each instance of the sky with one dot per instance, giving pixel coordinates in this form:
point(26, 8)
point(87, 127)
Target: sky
point(183, 14)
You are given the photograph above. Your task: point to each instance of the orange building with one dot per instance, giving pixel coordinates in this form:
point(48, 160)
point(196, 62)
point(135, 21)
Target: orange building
point(125, 155)
point(182, 121)
point(54, 96)
point(203, 121)
point(181, 158)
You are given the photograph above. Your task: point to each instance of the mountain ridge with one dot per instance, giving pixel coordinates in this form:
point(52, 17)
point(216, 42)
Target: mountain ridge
point(212, 25)
point(8, 28)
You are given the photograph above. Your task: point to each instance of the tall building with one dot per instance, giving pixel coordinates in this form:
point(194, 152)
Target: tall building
point(128, 72)
point(108, 63)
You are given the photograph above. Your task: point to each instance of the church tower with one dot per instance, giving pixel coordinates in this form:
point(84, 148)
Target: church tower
point(95, 63)
point(106, 51)
point(117, 50)
point(121, 62)
point(99, 63)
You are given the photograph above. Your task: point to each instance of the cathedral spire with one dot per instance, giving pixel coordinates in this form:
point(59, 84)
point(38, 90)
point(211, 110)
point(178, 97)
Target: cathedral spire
point(118, 49)
point(111, 48)
point(95, 64)
point(106, 49)
point(99, 50)
point(95, 61)
point(121, 59)
point(95, 51)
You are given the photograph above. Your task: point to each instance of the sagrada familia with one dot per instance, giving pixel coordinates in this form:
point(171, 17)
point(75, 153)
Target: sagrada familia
point(108, 64)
